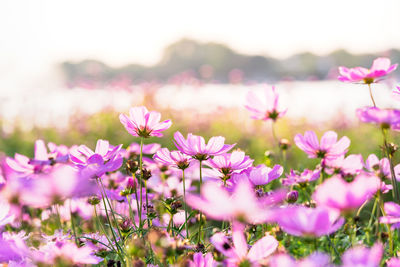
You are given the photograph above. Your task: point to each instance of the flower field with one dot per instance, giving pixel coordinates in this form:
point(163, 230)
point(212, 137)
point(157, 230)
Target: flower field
point(156, 187)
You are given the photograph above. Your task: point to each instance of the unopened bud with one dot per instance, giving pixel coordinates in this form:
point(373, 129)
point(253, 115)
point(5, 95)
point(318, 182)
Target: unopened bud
point(94, 200)
point(292, 196)
point(284, 144)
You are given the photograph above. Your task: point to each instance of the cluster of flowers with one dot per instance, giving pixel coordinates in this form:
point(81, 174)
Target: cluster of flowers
point(204, 204)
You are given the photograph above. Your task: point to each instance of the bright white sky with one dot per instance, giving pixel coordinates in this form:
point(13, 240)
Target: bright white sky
point(34, 34)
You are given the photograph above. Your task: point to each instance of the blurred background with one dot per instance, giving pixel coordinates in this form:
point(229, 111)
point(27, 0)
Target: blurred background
point(68, 68)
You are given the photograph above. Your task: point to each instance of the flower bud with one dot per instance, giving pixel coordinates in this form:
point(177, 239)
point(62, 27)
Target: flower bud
point(132, 166)
point(292, 196)
point(284, 144)
point(94, 200)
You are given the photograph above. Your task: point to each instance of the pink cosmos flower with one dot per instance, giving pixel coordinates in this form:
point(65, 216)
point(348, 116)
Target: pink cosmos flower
point(143, 123)
point(265, 110)
point(105, 158)
point(259, 175)
point(239, 254)
point(340, 195)
point(305, 177)
point(380, 168)
point(230, 163)
point(350, 165)
point(196, 147)
point(392, 211)
point(314, 260)
point(242, 204)
point(309, 222)
point(202, 261)
point(363, 257)
point(328, 148)
point(41, 161)
point(380, 67)
point(5, 216)
point(386, 118)
point(172, 158)
point(393, 262)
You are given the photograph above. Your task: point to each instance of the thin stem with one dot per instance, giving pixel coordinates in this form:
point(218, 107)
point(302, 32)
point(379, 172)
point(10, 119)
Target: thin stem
point(104, 230)
point(200, 213)
point(333, 246)
point(73, 223)
point(184, 203)
point(395, 190)
point(388, 228)
point(140, 182)
point(132, 217)
point(370, 94)
point(147, 205)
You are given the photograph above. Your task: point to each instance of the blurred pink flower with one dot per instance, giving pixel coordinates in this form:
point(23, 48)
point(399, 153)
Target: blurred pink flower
point(336, 193)
point(196, 147)
point(386, 118)
point(396, 93)
point(328, 148)
point(305, 177)
point(380, 67)
point(239, 254)
point(363, 257)
point(105, 158)
point(230, 163)
point(172, 158)
point(380, 168)
point(242, 204)
point(350, 165)
point(314, 260)
point(143, 123)
point(308, 222)
point(393, 262)
point(259, 175)
point(392, 211)
point(134, 149)
point(265, 110)
point(202, 261)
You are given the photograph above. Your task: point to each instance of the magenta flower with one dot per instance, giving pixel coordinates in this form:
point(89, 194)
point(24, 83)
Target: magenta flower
point(328, 148)
point(308, 222)
point(351, 165)
point(143, 123)
point(239, 254)
point(259, 175)
point(134, 149)
point(386, 118)
point(265, 110)
point(105, 158)
point(242, 204)
point(380, 67)
point(314, 260)
point(336, 193)
point(196, 147)
point(202, 261)
point(363, 256)
point(380, 168)
point(230, 163)
point(392, 211)
point(393, 262)
point(172, 158)
point(305, 177)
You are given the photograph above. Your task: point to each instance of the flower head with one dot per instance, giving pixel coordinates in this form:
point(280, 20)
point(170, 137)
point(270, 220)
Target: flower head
point(336, 193)
point(196, 147)
point(308, 222)
point(380, 67)
point(386, 118)
point(303, 178)
point(202, 261)
point(239, 254)
point(363, 257)
point(172, 158)
point(143, 123)
point(265, 110)
point(230, 163)
point(392, 216)
point(328, 148)
point(314, 260)
point(259, 175)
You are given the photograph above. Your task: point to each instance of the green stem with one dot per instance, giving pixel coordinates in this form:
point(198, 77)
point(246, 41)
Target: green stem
point(140, 182)
point(184, 203)
point(200, 213)
point(73, 223)
point(395, 190)
point(333, 246)
point(131, 215)
point(147, 206)
point(104, 230)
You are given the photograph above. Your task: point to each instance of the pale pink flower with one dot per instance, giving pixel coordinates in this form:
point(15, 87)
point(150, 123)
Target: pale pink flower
point(196, 146)
point(143, 123)
point(363, 257)
point(336, 193)
point(240, 253)
point(172, 158)
point(259, 175)
point(301, 178)
point(314, 260)
point(380, 67)
point(328, 148)
point(230, 163)
point(268, 109)
point(202, 261)
point(392, 211)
